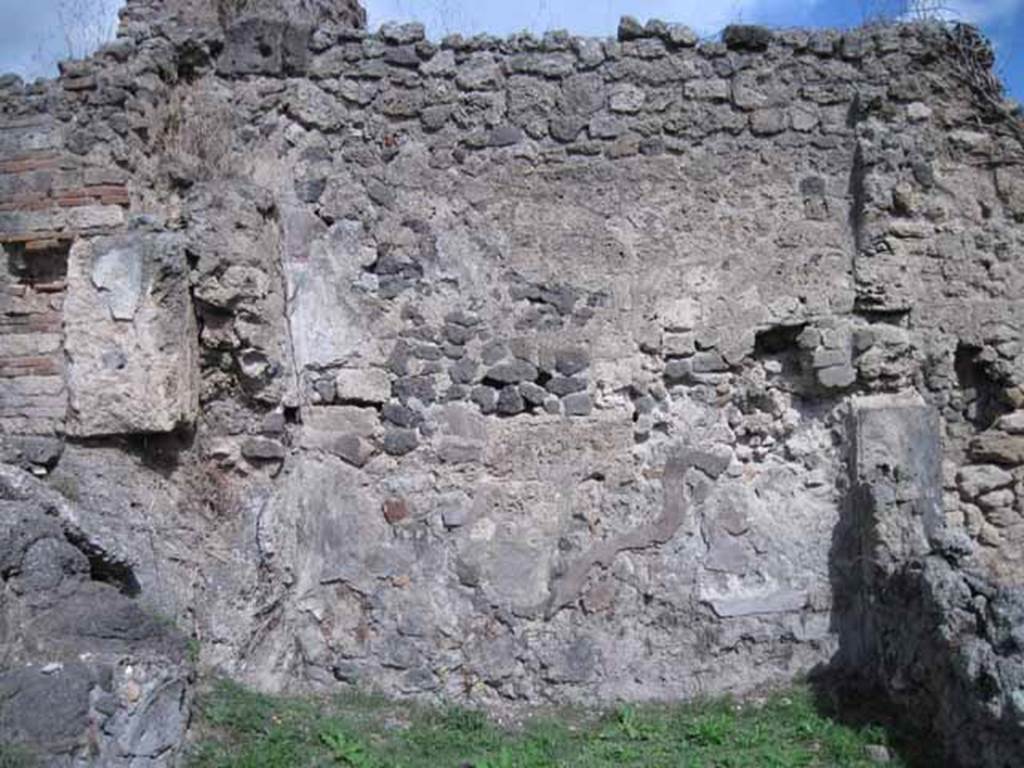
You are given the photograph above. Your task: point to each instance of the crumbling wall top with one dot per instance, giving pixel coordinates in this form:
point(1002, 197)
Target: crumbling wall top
point(349, 13)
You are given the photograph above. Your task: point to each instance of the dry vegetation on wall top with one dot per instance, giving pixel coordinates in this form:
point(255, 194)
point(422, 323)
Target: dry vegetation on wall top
point(194, 134)
point(85, 25)
point(229, 9)
point(510, 372)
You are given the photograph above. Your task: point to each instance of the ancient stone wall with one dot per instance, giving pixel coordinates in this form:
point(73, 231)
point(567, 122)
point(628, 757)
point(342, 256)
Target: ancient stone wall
point(930, 628)
point(49, 198)
point(513, 370)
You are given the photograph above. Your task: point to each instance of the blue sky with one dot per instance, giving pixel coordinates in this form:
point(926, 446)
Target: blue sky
point(31, 40)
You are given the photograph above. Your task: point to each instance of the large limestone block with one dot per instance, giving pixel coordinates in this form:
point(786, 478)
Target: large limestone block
point(131, 338)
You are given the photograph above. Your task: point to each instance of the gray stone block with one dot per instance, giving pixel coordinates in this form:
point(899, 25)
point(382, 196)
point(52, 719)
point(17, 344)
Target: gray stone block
point(512, 372)
point(577, 404)
point(485, 397)
point(510, 401)
point(399, 442)
point(262, 449)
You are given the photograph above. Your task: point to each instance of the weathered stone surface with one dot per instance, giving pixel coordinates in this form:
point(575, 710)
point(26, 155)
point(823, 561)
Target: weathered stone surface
point(264, 46)
point(341, 418)
point(998, 447)
point(347, 13)
point(978, 479)
point(486, 398)
point(562, 386)
point(547, 370)
point(912, 601)
point(836, 377)
point(399, 442)
point(1013, 423)
point(88, 674)
point(777, 602)
point(130, 336)
point(577, 404)
point(747, 37)
point(400, 34)
point(350, 447)
point(627, 99)
point(630, 28)
point(505, 136)
point(512, 372)
point(27, 451)
point(510, 401)
point(362, 386)
point(263, 449)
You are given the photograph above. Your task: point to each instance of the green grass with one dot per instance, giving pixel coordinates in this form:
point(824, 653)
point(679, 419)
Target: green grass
point(243, 729)
point(13, 756)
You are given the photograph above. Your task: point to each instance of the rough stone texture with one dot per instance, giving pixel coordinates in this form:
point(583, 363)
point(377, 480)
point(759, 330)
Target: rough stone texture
point(33, 395)
point(87, 675)
point(930, 628)
point(527, 370)
point(130, 336)
point(302, 13)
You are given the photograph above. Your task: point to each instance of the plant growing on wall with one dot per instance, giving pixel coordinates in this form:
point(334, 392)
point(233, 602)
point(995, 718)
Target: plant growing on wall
point(909, 10)
point(229, 9)
point(85, 25)
point(445, 15)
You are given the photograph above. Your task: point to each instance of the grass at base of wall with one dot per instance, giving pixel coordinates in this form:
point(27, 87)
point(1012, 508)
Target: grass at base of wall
point(242, 729)
point(14, 756)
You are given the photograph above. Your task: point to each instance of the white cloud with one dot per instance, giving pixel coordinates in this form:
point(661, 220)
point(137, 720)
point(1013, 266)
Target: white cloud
point(35, 34)
point(978, 12)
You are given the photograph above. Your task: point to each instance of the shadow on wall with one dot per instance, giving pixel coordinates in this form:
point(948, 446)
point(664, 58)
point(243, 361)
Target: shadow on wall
point(928, 648)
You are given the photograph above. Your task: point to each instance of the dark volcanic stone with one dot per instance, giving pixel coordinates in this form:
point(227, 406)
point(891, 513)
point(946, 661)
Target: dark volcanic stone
point(419, 387)
point(398, 442)
point(630, 29)
point(505, 136)
point(578, 404)
point(401, 415)
point(463, 372)
point(513, 372)
point(510, 402)
point(569, 362)
point(485, 397)
point(561, 385)
point(747, 37)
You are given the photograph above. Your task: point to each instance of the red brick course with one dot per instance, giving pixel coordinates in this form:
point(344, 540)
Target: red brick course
point(45, 185)
point(28, 237)
point(39, 162)
point(50, 322)
point(62, 191)
point(47, 365)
